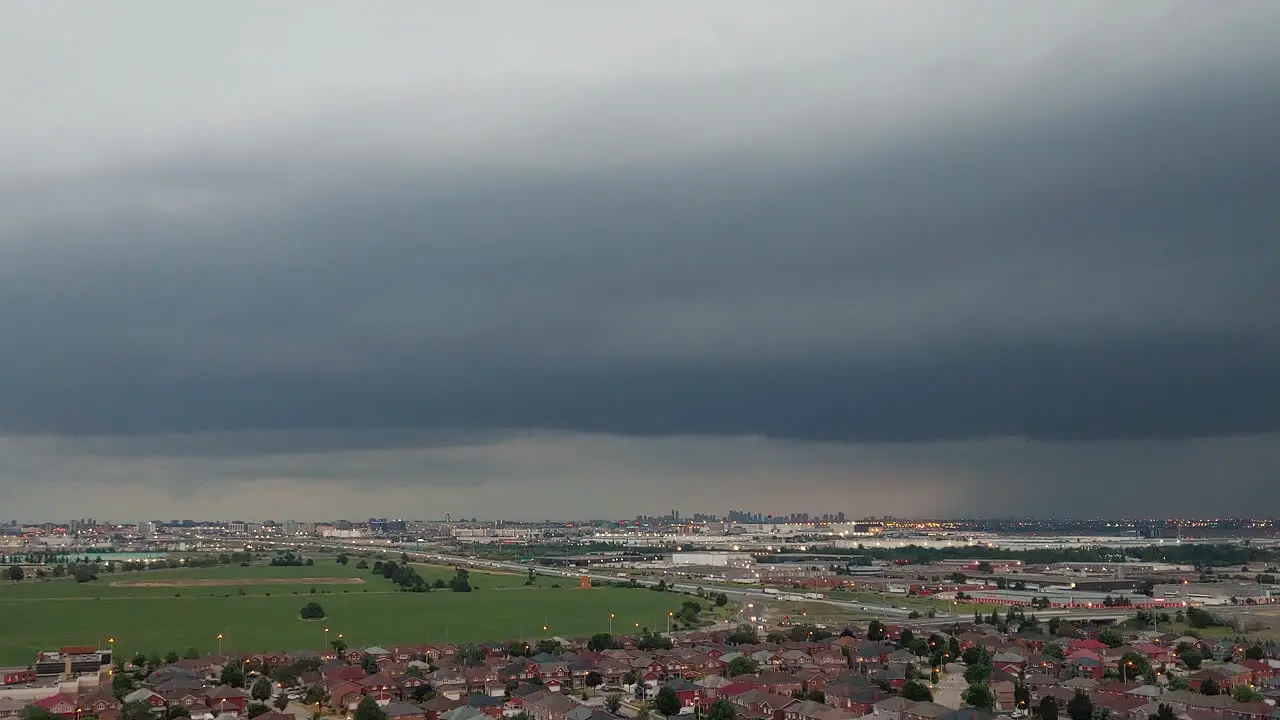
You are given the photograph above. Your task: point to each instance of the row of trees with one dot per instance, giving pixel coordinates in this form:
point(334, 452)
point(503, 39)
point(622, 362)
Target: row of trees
point(82, 572)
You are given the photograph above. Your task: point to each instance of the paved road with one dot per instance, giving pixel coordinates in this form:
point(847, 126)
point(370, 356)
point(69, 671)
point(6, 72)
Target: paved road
point(746, 594)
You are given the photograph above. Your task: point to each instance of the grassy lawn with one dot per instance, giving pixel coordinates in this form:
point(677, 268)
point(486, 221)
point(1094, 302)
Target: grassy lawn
point(914, 603)
point(38, 615)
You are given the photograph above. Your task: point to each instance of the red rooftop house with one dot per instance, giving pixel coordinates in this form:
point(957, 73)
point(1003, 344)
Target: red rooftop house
point(61, 705)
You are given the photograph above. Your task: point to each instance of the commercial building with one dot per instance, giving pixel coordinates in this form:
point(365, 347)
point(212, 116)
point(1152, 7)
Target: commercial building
point(71, 661)
point(1217, 593)
point(713, 559)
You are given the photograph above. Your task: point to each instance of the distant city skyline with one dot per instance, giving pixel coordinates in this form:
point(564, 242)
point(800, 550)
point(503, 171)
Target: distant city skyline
point(594, 259)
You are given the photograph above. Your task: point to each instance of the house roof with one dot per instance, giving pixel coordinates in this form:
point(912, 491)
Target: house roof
point(968, 713)
point(402, 709)
point(929, 709)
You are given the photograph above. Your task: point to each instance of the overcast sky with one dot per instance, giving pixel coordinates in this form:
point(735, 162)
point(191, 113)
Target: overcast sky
point(594, 259)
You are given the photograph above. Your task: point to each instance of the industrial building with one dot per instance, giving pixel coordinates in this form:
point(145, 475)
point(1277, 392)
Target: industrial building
point(713, 559)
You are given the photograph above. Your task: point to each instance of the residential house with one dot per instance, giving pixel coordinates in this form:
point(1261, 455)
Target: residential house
point(925, 711)
point(761, 704)
point(342, 693)
point(689, 694)
point(10, 708)
point(968, 713)
point(1003, 691)
point(99, 701)
point(1009, 662)
point(62, 705)
point(780, 683)
point(857, 699)
point(148, 696)
point(891, 708)
point(1226, 675)
point(438, 705)
point(553, 706)
point(223, 699)
point(809, 710)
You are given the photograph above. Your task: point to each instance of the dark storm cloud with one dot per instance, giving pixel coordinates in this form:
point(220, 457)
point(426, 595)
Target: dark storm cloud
point(1082, 273)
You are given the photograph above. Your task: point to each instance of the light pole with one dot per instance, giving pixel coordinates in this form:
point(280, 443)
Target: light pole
point(325, 647)
point(610, 624)
point(669, 616)
point(219, 644)
point(1124, 678)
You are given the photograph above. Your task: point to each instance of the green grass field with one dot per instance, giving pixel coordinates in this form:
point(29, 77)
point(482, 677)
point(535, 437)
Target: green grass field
point(38, 614)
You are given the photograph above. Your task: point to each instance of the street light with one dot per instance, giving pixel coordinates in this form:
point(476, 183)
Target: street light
point(610, 623)
point(219, 644)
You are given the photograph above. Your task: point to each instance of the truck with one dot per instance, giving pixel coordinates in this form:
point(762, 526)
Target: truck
point(772, 591)
point(815, 596)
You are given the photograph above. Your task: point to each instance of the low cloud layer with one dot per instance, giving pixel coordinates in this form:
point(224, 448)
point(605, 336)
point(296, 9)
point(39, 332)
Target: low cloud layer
point(823, 227)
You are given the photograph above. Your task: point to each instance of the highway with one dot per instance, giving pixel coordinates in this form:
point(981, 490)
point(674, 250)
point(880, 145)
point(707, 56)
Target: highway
point(888, 612)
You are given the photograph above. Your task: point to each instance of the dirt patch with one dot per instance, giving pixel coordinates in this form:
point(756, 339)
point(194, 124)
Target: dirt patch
point(236, 582)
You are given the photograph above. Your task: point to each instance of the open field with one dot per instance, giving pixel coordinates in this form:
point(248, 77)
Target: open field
point(256, 608)
point(236, 582)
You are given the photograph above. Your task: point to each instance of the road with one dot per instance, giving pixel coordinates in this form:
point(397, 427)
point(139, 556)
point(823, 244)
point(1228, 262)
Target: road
point(745, 594)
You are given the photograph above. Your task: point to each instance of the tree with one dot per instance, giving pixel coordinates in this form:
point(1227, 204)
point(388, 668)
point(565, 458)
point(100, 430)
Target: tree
point(368, 710)
point(741, 665)
point(1048, 708)
point(136, 710)
point(665, 702)
point(593, 679)
point(191, 654)
point(1165, 712)
point(343, 558)
point(311, 611)
point(598, 642)
point(743, 635)
point(16, 574)
point(362, 565)
point(177, 711)
point(1191, 659)
point(1254, 652)
point(973, 655)
point(905, 638)
point(1199, 618)
point(1111, 638)
point(917, 691)
point(721, 710)
point(1080, 707)
point(255, 709)
point(977, 674)
point(1021, 696)
point(171, 657)
point(613, 702)
point(261, 689)
point(31, 712)
point(875, 630)
point(721, 599)
point(122, 684)
point(984, 567)
point(979, 696)
point(1209, 686)
point(1055, 651)
point(958, 578)
point(1244, 694)
point(369, 665)
point(338, 644)
point(281, 702)
point(461, 581)
point(232, 675)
